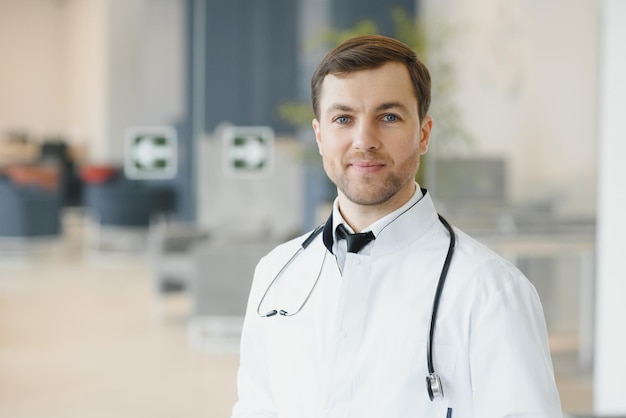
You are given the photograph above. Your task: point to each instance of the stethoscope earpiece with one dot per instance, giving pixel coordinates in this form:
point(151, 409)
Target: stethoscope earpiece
point(433, 386)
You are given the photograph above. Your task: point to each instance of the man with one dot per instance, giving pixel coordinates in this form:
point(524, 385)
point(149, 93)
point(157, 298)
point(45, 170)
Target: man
point(333, 331)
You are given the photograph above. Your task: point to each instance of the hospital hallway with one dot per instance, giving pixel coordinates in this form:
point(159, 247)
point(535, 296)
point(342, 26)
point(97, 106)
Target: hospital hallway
point(80, 339)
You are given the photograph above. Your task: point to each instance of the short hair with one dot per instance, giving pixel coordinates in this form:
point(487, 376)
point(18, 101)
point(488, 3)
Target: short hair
point(370, 52)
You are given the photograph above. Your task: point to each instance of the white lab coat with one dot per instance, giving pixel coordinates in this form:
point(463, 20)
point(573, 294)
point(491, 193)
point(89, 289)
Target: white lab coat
point(358, 347)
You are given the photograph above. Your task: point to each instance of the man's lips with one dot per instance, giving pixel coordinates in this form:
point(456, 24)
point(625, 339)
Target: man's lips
point(367, 166)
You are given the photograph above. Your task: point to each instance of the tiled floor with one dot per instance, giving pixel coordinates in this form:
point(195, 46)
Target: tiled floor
point(79, 340)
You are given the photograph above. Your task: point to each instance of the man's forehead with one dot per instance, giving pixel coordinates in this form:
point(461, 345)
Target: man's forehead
point(379, 90)
point(390, 75)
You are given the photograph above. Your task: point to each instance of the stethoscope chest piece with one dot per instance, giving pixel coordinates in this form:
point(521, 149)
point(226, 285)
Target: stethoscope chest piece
point(433, 386)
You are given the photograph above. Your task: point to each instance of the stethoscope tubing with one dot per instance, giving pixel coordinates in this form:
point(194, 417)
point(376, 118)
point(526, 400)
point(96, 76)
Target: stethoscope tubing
point(438, 293)
point(302, 247)
point(434, 386)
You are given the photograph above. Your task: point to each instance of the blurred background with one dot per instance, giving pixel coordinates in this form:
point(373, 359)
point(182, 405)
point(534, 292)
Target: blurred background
point(151, 151)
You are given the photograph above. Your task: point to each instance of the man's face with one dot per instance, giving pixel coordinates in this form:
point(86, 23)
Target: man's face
point(370, 136)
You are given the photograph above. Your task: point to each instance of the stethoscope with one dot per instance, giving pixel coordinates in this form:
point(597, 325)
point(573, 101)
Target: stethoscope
point(433, 381)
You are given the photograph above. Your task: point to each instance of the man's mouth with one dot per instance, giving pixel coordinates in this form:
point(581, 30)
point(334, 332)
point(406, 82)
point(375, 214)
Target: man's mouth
point(367, 166)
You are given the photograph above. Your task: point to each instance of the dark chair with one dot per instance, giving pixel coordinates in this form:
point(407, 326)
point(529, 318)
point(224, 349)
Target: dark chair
point(122, 212)
point(128, 203)
point(28, 211)
point(71, 186)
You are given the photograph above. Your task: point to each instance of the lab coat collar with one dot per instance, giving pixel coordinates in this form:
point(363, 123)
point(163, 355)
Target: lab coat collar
point(393, 230)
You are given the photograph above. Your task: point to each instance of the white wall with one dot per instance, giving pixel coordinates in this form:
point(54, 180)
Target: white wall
point(610, 361)
point(527, 88)
point(31, 69)
point(88, 69)
point(144, 67)
point(85, 96)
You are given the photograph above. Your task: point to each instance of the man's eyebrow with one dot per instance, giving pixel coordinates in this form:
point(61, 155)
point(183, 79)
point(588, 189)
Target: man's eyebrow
point(391, 105)
point(381, 107)
point(339, 107)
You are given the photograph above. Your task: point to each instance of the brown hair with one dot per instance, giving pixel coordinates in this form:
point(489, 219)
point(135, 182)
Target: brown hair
point(369, 52)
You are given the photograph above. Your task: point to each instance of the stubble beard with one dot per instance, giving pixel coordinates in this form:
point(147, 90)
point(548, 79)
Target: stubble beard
point(371, 190)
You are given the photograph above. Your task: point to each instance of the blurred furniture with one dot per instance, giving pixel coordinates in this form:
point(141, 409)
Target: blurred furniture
point(119, 201)
point(478, 181)
point(30, 200)
point(222, 276)
point(98, 173)
point(171, 249)
point(219, 290)
point(17, 149)
point(56, 151)
point(172, 259)
point(214, 270)
point(27, 209)
point(472, 192)
point(121, 206)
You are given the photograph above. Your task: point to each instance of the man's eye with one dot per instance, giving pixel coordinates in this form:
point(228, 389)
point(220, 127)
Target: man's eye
point(342, 119)
point(390, 118)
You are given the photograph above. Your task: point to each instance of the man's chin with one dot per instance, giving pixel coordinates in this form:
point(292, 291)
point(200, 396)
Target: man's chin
point(368, 197)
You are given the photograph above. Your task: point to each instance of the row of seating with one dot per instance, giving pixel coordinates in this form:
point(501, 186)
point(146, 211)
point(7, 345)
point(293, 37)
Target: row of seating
point(34, 210)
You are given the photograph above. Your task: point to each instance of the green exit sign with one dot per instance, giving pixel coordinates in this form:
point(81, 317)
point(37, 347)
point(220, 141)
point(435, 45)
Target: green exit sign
point(151, 152)
point(248, 150)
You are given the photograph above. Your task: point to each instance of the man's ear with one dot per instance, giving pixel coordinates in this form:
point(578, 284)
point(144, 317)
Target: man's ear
point(318, 135)
point(425, 130)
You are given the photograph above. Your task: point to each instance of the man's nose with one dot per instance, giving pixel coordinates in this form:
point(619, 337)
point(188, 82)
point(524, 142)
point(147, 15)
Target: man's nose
point(366, 136)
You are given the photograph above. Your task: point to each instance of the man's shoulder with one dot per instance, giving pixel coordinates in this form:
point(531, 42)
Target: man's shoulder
point(476, 249)
point(485, 266)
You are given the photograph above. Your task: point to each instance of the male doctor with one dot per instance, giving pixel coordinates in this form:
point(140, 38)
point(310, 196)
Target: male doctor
point(337, 331)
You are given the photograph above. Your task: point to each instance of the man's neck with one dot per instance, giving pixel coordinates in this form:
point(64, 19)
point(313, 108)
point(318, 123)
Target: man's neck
point(360, 217)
